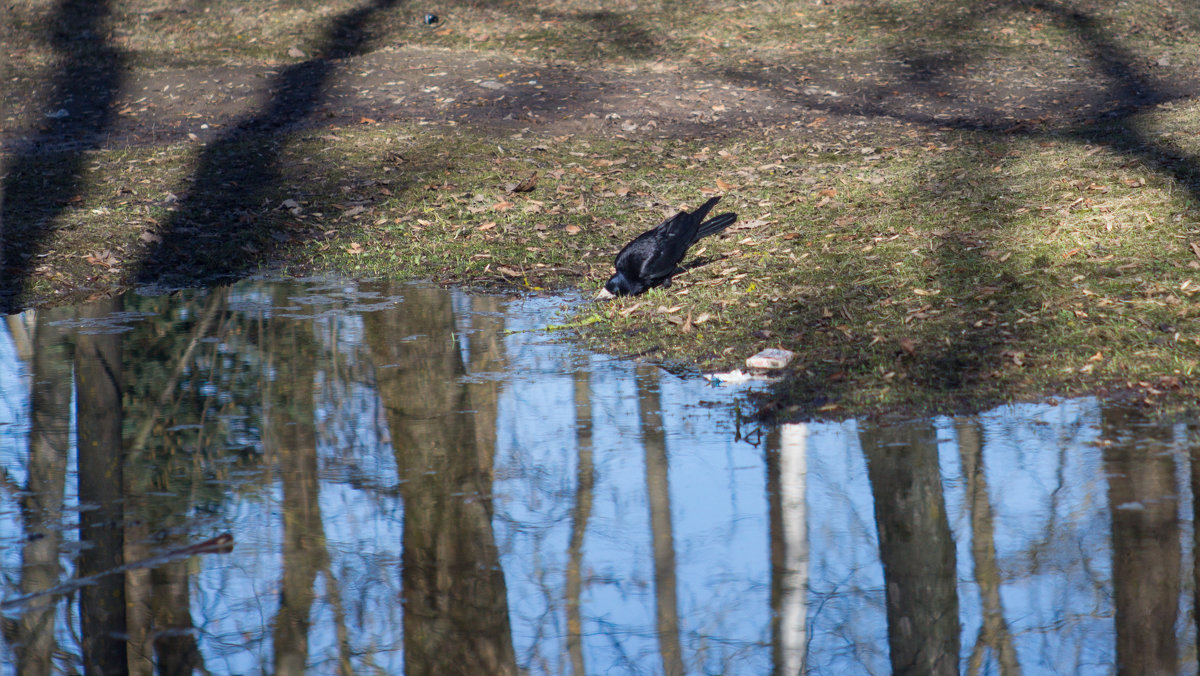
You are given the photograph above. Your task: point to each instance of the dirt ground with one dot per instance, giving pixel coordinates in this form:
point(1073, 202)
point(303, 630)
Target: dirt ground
point(350, 77)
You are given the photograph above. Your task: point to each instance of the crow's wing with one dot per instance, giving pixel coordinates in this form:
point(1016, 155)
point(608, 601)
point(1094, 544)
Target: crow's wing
point(666, 245)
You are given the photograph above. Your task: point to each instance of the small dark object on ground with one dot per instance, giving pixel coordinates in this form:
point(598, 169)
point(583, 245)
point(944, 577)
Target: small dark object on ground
point(431, 19)
point(653, 257)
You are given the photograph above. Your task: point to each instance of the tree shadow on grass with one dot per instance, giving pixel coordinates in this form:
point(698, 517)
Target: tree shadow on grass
point(45, 174)
point(226, 224)
point(955, 354)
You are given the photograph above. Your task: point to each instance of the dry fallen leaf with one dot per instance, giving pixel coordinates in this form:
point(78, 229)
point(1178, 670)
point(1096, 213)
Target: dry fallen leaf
point(526, 185)
point(908, 346)
point(572, 229)
point(502, 206)
point(724, 185)
point(355, 249)
point(105, 258)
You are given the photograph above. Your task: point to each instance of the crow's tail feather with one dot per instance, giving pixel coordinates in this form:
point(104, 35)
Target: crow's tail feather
point(702, 211)
point(715, 224)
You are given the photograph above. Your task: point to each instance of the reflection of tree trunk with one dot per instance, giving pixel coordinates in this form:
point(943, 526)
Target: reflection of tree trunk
point(41, 507)
point(659, 491)
point(455, 608)
point(585, 481)
point(915, 546)
point(1194, 460)
point(174, 639)
point(290, 437)
point(995, 633)
point(1144, 502)
point(787, 475)
point(101, 477)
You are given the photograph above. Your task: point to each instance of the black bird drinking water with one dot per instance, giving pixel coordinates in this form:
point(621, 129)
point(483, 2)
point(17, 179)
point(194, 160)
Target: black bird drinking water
point(653, 257)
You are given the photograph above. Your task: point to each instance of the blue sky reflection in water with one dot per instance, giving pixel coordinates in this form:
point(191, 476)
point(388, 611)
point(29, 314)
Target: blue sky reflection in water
point(411, 487)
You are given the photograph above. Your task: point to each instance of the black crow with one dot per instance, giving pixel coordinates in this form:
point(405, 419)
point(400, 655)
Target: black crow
point(653, 257)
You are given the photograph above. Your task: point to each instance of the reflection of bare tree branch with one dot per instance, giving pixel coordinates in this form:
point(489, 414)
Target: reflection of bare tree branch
point(1144, 502)
point(658, 491)
point(915, 547)
point(995, 633)
point(585, 482)
point(216, 302)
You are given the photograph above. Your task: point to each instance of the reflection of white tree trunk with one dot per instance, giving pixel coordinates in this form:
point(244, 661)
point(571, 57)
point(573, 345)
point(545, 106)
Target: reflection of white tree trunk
point(793, 577)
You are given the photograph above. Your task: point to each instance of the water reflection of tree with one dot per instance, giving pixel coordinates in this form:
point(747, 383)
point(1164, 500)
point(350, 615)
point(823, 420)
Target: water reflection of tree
point(1144, 502)
point(49, 354)
point(289, 442)
point(455, 606)
point(787, 484)
point(915, 547)
point(584, 486)
point(658, 491)
point(98, 415)
point(994, 634)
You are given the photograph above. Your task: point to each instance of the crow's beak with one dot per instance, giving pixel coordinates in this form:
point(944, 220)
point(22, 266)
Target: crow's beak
point(605, 294)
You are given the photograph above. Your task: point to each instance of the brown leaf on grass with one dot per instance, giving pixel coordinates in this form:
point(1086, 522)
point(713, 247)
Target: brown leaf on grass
point(630, 310)
point(487, 226)
point(908, 346)
point(725, 186)
point(572, 229)
point(524, 186)
point(1195, 248)
point(502, 206)
point(355, 248)
point(149, 237)
point(509, 271)
point(105, 258)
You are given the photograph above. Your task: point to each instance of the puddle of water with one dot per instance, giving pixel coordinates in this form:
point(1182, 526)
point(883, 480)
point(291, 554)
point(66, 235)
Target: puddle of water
point(325, 476)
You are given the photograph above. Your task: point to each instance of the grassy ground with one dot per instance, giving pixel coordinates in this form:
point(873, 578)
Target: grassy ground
point(942, 205)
